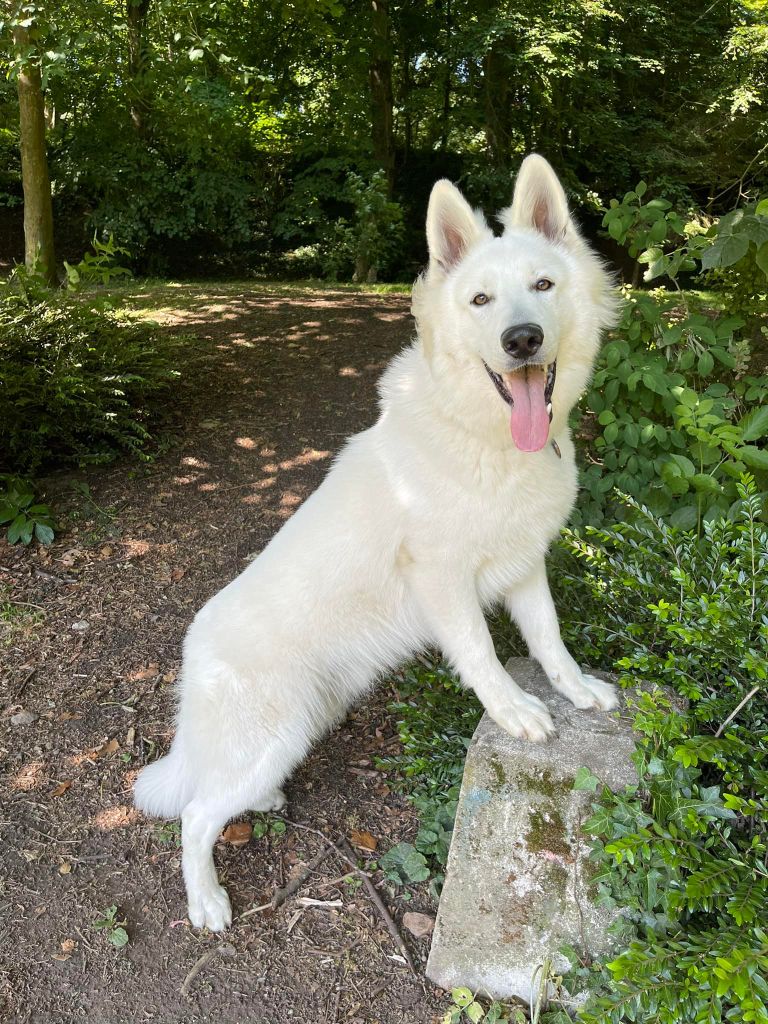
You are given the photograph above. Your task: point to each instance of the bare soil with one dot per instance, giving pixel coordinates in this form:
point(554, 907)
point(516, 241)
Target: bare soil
point(90, 634)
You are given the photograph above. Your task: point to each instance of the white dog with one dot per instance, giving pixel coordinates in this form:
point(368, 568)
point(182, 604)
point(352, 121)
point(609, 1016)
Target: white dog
point(447, 505)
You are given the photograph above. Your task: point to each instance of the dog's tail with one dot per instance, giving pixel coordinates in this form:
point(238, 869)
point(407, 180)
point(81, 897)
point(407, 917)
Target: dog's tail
point(165, 787)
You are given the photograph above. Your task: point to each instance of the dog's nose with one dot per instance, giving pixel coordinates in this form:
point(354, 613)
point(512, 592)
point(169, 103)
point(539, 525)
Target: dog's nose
point(522, 341)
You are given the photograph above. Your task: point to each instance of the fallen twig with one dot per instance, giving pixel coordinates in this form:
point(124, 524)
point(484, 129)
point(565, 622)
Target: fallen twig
point(281, 895)
point(378, 903)
point(344, 850)
point(224, 949)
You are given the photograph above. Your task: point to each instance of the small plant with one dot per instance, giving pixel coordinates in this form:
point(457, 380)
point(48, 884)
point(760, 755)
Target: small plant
point(265, 825)
point(25, 517)
point(169, 833)
point(404, 865)
point(467, 1008)
point(115, 929)
point(101, 265)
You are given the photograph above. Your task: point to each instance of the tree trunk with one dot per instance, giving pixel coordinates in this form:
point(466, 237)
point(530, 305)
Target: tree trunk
point(38, 209)
point(139, 102)
point(380, 77)
point(499, 93)
point(447, 76)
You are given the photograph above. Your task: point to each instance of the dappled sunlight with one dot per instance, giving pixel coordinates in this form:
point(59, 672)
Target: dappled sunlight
point(245, 442)
point(115, 817)
point(136, 548)
point(30, 777)
point(306, 458)
point(349, 371)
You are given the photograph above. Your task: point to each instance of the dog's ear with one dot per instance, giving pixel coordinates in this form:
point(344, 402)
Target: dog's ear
point(452, 226)
point(539, 201)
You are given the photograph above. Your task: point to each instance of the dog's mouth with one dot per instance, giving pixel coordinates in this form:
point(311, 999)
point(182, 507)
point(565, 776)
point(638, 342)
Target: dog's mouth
point(528, 390)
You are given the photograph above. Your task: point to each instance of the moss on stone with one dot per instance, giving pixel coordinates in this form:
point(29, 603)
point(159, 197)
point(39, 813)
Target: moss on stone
point(547, 832)
point(498, 772)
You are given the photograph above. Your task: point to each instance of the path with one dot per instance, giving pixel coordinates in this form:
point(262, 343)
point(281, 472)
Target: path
point(90, 636)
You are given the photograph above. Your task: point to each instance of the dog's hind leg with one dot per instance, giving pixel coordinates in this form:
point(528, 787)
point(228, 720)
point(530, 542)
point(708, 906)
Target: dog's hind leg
point(236, 781)
point(531, 606)
point(201, 822)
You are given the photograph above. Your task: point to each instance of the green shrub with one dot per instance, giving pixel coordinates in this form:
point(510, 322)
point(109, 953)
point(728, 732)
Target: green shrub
point(685, 852)
point(673, 417)
point(25, 518)
point(78, 382)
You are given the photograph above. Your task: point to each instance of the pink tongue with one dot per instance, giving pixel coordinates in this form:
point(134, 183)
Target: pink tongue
point(530, 420)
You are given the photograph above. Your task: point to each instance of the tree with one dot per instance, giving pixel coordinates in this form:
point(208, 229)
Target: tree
point(38, 208)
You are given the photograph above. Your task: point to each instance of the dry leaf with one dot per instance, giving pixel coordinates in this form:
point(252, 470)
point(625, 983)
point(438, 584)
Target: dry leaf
point(65, 868)
point(62, 788)
point(177, 574)
point(107, 551)
point(67, 716)
point(237, 834)
point(169, 677)
point(68, 946)
point(419, 925)
point(130, 736)
point(148, 672)
point(364, 840)
point(105, 749)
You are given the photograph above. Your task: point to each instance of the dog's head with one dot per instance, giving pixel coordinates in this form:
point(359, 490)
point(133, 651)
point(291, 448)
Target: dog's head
point(524, 310)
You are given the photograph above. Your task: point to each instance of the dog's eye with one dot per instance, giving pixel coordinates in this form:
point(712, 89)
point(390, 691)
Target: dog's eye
point(480, 299)
point(544, 284)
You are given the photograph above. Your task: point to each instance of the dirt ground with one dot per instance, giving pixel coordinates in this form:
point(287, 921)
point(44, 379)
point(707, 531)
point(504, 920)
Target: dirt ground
point(90, 634)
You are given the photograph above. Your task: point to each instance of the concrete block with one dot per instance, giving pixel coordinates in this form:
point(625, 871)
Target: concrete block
point(517, 884)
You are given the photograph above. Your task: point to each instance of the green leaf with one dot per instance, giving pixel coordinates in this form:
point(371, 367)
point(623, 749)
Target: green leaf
point(474, 1012)
point(706, 364)
point(17, 528)
point(755, 458)
point(685, 518)
point(44, 533)
point(611, 432)
point(586, 780)
point(118, 937)
point(462, 997)
point(753, 426)
point(727, 250)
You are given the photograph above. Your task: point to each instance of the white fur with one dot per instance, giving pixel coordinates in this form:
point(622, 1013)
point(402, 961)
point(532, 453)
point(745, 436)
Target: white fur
point(426, 519)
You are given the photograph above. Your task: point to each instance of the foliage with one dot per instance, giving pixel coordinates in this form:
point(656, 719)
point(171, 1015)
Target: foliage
point(25, 517)
point(685, 851)
point(265, 824)
point(79, 382)
point(466, 1007)
point(114, 929)
point(186, 128)
point(100, 266)
point(674, 412)
point(355, 230)
point(435, 715)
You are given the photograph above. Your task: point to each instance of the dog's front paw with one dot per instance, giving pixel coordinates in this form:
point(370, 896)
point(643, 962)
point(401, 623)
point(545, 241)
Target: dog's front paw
point(209, 908)
point(591, 692)
point(526, 718)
